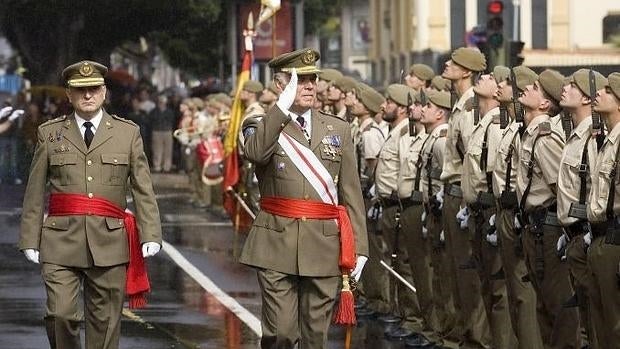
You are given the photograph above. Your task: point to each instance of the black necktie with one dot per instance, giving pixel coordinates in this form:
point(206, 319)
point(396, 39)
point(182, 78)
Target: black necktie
point(88, 134)
point(302, 122)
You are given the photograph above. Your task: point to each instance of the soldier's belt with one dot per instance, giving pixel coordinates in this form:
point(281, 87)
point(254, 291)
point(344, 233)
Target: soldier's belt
point(454, 189)
point(544, 216)
point(389, 202)
point(416, 198)
point(508, 200)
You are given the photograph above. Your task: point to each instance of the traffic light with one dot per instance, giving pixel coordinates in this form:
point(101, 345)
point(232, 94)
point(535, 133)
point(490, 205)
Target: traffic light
point(495, 24)
point(516, 53)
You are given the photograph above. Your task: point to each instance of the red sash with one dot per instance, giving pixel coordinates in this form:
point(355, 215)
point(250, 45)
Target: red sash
point(294, 208)
point(66, 204)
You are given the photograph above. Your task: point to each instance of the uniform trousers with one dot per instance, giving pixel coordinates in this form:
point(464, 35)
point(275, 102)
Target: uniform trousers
point(604, 260)
point(162, 150)
point(468, 298)
point(521, 294)
point(104, 291)
point(296, 309)
point(559, 326)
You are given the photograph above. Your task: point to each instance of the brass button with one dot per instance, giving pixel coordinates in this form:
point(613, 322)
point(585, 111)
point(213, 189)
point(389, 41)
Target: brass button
point(115, 161)
point(90, 179)
point(90, 195)
point(53, 223)
point(306, 197)
point(120, 222)
point(282, 125)
point(89, 162)
point(303, 219)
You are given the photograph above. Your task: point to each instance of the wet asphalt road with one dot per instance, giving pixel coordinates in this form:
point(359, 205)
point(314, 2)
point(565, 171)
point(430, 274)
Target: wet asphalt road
point(180, 314)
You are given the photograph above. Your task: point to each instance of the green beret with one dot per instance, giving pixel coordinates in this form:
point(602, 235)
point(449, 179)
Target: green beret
point(223, 98)
point(84, 73)
point(345, 83)
point(469, 58)
point(253, 86)
point(371, 99)
point(422, 71)
point(501, 73)
point(329, 74)
point(359, 87)
point(524, 76)
point(399, 93)
point(581, 78)
point(440, 83)
point(552, 82)
point(613, 81)
point(303, 60)
point(440, 98)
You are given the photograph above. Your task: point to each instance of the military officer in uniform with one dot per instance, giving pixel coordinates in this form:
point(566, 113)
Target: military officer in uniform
point(87, 158)
point(537, 173)
point(521, 295)
point(305, 165)
point(603, 210)
point(574, 189)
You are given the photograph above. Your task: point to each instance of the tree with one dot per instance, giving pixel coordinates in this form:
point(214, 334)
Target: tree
point(50, 34)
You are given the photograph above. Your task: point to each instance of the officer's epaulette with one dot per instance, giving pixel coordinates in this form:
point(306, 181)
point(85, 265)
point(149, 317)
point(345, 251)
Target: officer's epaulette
point(544, 128)
point(443, 133)
point(469, 104)
point(332, 115)
point(54, 120)
point(114, 116)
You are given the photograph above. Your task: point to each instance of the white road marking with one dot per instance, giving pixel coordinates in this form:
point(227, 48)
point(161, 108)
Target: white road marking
point(243, 314)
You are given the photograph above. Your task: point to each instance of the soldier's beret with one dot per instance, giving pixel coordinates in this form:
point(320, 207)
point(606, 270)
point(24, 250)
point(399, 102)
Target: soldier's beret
point(223, 98)
point(524, 76)
point(469, 58)
point(371, 99)
point(400, 94)
point(345, 83)
point(501, 73)
point(422, 71)
point(253, 86)
point(198, 102)
point(303, 60)
point(84, 73)
point(360, 86)
point(440, 83)
point(552, 82)
point(329, 74)
point(581, 78)
point(439, 98)
point(613, 81)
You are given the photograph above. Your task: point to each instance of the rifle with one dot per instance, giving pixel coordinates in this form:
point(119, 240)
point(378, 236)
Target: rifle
point(476, 105)
point(503, 116)
point(597, 127)
point(519, 117)
point(567, 123)
point(412, 130)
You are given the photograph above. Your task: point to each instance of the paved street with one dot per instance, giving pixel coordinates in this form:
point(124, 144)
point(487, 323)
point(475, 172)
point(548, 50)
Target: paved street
point(186, 308)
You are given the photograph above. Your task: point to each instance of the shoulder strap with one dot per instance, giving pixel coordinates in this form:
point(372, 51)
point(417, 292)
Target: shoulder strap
point(584, 170)
point(530, 174)
point(508, 161)
point(418, 165)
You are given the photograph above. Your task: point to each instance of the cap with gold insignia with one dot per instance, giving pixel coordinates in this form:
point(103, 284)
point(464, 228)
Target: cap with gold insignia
point(329, 74)
point(501, 73)
point(345, 83)
point(439, 98)
point(371, 99)
point(469, 58)
point(253, 86)
point(422, 71)
point(552, 82)
point(524, 76)
point(400, 94)
point(581, 78)
point(613, 81)
point(85, 73)
point(303, 60)
point(440, 83)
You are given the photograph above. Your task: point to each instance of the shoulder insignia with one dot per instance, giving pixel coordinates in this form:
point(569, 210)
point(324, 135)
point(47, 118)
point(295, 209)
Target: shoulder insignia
point(404, 131)
point(54, 120)
point(544, 128)
point(443, 133)
point(469, 104)
point(333, 116)
point(250, 122)
point(495, 119)
point(116, 117)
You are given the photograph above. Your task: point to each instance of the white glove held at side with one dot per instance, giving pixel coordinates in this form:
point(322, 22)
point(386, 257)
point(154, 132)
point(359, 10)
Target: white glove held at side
point(359, 265)
point(492, 238)
point(16, 114)
point(517, 223)
point(149, 249)
point(4, 112)
point(462, 217)
point(492, 220)
point(588, 239)
point(32, 255)
point(287, 97)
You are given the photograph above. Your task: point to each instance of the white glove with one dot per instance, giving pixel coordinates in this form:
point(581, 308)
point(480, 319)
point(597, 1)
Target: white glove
point(424, 217)
point(588, 239)
point(359, 265)
point(439, 197)
point(492, 220)
point(442, 237)
point(16, 114)
point(462, 217)
point(149, 249)
point(372, 211)
point(492, 238)
point(32, 255)
point(517, 223)
point(561, 246)
point(4, 112)
point(424, 232)
point(287, 97)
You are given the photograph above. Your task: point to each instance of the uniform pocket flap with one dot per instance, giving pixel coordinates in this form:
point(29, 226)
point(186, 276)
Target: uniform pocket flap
point(572, 161)
point(114, 223)
point(57, 222)
point(115, 159)
point(63, 159)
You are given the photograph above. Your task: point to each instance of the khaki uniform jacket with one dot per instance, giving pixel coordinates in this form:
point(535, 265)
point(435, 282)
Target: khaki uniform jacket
point(61, 159)
point(510, 139)
point(602, 175)
point(409, 152)
point(474, 177)
point(388, 164)
point(306, 247)
point(461, 124)
point(371, 139)
point(545, 162)
point(254, 110)
point(434, 148)
point(569, 182)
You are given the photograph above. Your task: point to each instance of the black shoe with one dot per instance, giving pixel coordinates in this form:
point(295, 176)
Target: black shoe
point(399, 333)
point(418, 342)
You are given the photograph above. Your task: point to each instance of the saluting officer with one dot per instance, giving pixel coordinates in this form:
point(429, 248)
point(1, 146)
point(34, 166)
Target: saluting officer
point(88, 239)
